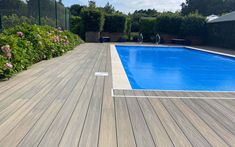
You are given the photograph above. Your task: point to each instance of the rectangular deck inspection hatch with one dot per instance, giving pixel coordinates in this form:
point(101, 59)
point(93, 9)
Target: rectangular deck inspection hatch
point(101, 74)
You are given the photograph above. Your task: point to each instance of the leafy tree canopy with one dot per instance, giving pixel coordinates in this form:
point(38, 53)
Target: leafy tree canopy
point(208, 7)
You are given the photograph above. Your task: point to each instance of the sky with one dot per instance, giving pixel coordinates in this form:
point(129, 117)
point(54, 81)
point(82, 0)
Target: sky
point(132, 5)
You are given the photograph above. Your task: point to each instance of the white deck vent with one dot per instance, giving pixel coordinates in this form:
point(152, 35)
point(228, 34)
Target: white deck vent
point(101, 74)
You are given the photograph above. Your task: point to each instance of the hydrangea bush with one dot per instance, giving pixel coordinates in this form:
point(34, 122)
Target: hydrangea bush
point(24, 45)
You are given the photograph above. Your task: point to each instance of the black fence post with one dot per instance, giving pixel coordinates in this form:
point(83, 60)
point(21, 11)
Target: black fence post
point(65, 14)
point(69, 20)
point(1, 28)
point(56, 15)
point(39, 13)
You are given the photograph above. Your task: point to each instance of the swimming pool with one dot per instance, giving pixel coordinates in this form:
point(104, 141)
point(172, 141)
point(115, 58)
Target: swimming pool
point(177, 68)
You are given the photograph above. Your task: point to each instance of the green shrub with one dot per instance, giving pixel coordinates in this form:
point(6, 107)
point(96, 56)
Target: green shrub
point(24, 45)
point(115, 23)
point(76, 25)
point(147, 28)
point(128, 25)
point(193, 25)
point(169, 23)
point(93, 20)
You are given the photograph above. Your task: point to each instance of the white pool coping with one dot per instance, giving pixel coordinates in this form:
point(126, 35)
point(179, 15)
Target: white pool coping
point(120, 80)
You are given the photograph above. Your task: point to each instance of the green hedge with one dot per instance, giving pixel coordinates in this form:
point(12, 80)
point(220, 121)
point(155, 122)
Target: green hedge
point(221, 34)
point(193, 25)
point(169, 23)
point(93, 20)
point(115, 23)
point(76, 26)
point(23, 45)
point(147, 28)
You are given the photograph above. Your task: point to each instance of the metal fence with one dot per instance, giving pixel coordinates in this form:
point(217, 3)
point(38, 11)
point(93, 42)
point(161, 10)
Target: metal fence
point(41, 12)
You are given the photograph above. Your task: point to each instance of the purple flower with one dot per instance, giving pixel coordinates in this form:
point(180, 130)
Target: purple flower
point(20, 34)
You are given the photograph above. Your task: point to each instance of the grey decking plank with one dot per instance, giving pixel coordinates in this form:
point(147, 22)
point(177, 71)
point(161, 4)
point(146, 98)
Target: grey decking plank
point(189, 130)
point(29, 90)
point(107, 137)
point(198, 123)
point(36, 133)
point(74, 128)
point(141, 131)
point(226, 112)
point(33, 116)
point(217, 127)
point(156, 128)
point(90, 130)
point(228, 104)
point(217, 115)
point(125, 135)
point(177, 136)
point(16, 85)
point(58, 125)
point(28, 94)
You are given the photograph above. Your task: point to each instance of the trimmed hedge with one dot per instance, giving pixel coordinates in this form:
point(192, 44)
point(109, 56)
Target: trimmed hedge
point(221, 34)
point(169, 23)
point(147, 28)
point(193, 25)
point(115, 23)
point(24, 45)
point(76, 26)
point(93, 20)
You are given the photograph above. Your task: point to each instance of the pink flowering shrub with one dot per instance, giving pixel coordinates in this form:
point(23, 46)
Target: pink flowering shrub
point(20, 34)
point(24, 45)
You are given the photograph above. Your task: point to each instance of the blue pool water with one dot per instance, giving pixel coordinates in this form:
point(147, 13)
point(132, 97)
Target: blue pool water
point(174, 68)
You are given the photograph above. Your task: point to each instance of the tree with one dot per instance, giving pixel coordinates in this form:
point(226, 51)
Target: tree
point(109, 9)
point(75, 10)
point(92, 4)
point(208, 7)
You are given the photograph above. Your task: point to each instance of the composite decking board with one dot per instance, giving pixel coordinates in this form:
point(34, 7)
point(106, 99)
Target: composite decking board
point(16, 117)
point(107, 137)
point(177, 94)
point(177, 136)
point(58, 125)
point(74, 128)
point(141, 131)
point(125, 134)
point(28, 95)
point(228, 105)
point(29, 119)
point(156, 128)
point(210, 121)
point(217, 115)
point(90, 132)
point(43, 124)
point(226, 112)
point(200, 125)
point(14, 87)
point(189, 130)
point(50, 108)
point(29, 90)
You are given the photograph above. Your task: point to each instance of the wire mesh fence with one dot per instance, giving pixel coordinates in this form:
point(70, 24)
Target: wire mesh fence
point(41, 12)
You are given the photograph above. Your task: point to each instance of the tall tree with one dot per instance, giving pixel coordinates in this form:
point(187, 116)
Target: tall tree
point(109, 9)
point(208, 7)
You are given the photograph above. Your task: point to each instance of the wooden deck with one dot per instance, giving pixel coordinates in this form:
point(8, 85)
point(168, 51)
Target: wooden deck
point(61, 102)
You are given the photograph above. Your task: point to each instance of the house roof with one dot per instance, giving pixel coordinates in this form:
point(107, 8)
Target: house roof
point(226, 17)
